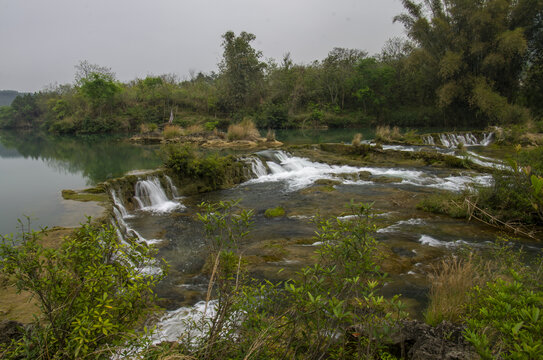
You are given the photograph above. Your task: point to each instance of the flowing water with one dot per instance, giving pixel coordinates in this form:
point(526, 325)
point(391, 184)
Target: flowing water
point(416, 239)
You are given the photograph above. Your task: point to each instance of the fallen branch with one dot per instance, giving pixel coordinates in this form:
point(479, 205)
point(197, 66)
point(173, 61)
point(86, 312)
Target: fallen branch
point(485, 217)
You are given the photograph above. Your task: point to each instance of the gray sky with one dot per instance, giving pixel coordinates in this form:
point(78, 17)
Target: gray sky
point(43, 40)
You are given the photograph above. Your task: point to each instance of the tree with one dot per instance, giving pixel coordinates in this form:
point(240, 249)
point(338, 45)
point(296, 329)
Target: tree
point(84, 70)
point(91, 292)
point(474, 53)
point(337, 70)
point(100, 90)
point(241, 71)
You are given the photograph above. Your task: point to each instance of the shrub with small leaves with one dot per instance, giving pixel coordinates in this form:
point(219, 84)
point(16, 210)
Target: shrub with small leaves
point(92, 292)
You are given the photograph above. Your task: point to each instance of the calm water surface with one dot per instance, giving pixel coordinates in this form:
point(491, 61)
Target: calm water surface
point(34, 168)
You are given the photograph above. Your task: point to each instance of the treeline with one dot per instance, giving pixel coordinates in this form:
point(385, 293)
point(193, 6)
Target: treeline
point(464, 63)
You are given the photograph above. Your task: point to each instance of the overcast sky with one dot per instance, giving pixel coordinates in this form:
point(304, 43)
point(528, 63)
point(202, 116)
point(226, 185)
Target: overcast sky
point(41, 41)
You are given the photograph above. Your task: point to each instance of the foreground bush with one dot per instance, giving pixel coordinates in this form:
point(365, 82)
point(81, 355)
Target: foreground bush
point(91, 292)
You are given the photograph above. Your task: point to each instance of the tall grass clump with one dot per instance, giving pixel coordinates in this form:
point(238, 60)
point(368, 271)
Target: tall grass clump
point(245, 130)
point(357, 139)
point(386, 133)
point(452, 279)
point(193, 129)
point(172, 131)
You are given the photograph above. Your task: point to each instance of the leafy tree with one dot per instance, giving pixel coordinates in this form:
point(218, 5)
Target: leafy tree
point(84, 70)
point(474, 53)
point(374, 82)
point(26, 110)
point(241, 71)
point(91, 292)
point(100, 90)
point(337, 70)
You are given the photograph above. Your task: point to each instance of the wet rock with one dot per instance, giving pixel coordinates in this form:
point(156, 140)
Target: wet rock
point(421, 341)
point(10, 330)
point(328, 182)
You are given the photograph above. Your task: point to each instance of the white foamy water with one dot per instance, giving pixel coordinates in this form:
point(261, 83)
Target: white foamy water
point(298, 173)
point(431, 241)
point(396, 226)
point(453, 140)
point(151, 197)
point(177, 323)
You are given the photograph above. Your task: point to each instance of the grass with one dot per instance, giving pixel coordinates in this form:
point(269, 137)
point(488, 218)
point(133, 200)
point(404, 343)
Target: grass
point(386, 133)
point(270, 135)
point(245, 130)
point(445, 203)
point(357, 139)
point(193, 129)
point(172, 131)
point(452, 280)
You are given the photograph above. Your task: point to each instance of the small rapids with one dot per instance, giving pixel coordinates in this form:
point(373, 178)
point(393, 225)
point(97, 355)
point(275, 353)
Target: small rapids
point(298, 173)
point(453, 140)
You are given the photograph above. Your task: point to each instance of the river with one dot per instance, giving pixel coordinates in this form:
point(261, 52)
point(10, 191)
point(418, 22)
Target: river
point(34, 168)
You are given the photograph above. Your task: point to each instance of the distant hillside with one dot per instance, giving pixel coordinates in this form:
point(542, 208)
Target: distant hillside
point(7, 96)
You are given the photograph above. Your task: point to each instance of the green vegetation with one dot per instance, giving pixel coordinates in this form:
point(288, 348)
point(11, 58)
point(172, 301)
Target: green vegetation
point(210, 170)
point(330, 309)
point(475, 63)
point(92, 292)
point(514, 198)
point(275, 212)
point(496, 296)
point(84, 196)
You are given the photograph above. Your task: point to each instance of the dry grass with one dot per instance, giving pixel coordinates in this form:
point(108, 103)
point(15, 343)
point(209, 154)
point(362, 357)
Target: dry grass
point(148, 128)
point(357, 139)
point(193, 129)
point(172, 131)
point(385, 133)
point(452, 280)
point(246, 130)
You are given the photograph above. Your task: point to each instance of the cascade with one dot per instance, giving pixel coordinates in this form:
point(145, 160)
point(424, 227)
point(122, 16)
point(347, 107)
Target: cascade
point(453, 140)
point(297, 173)
point(150, 196)
point(173, 188)
point(428, 140)
point(257, 167)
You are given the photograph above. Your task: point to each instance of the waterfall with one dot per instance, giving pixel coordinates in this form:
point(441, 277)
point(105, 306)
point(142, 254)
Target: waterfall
point(453, 140)
point(297, 173)
point(428, 140)
point(173, 188)
point(150, 196)
point(120, 214)
point(118, 205)
point(257, 167)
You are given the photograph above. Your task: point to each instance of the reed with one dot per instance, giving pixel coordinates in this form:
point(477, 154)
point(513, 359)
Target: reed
point(245, 130)
point(452, 280)
point(172, 131)
point(357, 139)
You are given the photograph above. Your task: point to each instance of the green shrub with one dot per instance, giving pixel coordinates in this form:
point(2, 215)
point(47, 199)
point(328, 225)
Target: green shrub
point(275, 212)
point(92, 292)
point(505, 320)
point(187, 163)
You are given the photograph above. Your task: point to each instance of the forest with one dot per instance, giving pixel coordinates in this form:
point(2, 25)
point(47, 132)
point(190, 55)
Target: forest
point(463, 63)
